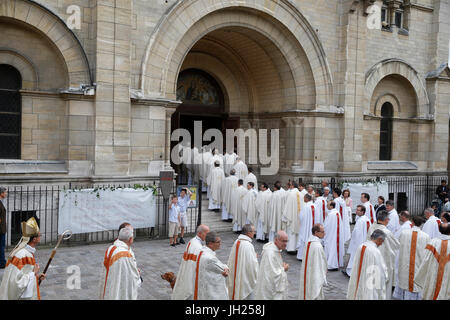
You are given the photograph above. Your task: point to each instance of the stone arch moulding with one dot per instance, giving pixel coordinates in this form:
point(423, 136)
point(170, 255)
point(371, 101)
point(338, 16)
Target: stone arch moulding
point(184, 14)
point(30, 78)
point(397, 66)
point(387, 98)
point(55, 29)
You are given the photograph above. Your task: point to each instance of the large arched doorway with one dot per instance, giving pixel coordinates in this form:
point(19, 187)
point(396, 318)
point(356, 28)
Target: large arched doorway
point(10, 112)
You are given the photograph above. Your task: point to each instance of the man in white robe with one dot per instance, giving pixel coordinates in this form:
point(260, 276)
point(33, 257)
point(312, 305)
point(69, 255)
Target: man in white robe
point(206, 157)
point(277, 203)
point(228, 162)
point(244, 266)
point(184, 286)
point(241, 169)
point(341, 207)
point(121, 277)
point(249, 203)
point(394, 222)
point(389, 248)
point(431, 227)
point(369, 277)
point(334, 238)
point(370, 211)
point(237, 211)
point(405, 223)
point(433, 276)
point(307, 220)
point(413, 242)
point(272, 282)
point(251, 178)
point(210, 273)
point(21, 277)
point(313, 272)
point(359, 236)
point(215, 179)
point(229, 186)
point(262, 204)
point(291, 216)
point(321, 206)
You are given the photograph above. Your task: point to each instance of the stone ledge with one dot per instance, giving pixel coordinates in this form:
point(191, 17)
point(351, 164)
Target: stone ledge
point(32, 166)
point(391, 165)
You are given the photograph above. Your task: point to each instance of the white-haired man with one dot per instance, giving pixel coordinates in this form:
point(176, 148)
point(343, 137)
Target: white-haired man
point(229, 186)
point(431, 227)
point(215, 179)
point(121, 277)
point(184, 286)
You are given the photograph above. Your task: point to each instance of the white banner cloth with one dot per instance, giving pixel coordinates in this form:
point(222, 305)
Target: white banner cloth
point(373, 189)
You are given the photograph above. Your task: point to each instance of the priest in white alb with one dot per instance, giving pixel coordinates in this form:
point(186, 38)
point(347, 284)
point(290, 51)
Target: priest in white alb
point(405, 223)
point(241, 168)
point(389, 248)
point(21, 276)
point(121, 277)
point(370, 211)
point(413, 242)
point(211, 273)
point(272, 282)
point(313, 272)
point(229, 159)
point(431, 226)
point(277, 203)
point(184, 286)
point(341, 207)
point(243, 265)
point(320, 204)
point(251, 178)
point(334, 238)
point(291, 215)
point(307, 220)
point(205, 168)
point(433, 276)
point(229, 186)
point(369, 277)
point(359, 236)
point(249, 203)
point(215, 179)
point(263, 210)
point(237, 211)
point(394, 222)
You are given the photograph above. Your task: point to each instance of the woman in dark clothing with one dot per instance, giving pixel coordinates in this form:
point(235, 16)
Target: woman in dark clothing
point(380, 205)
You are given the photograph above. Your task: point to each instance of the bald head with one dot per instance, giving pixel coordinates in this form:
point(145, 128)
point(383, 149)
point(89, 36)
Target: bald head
point(202, 231)
point(281, 240)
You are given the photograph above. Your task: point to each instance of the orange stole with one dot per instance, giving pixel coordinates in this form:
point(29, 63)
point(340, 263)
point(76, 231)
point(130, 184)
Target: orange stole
point(412, 261)
point(368, 225)
point(442, 260)
point(306, 265)
point(196, 276)
point(363, 250)
point(371, 214)
point(189, 256)
point(339, 264)
point(20, 263)
point(235, 267)
point(312, 208)
point(323, 209)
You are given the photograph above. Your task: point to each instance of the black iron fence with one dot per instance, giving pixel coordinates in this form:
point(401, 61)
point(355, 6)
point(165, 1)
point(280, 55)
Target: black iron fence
point(42, 203)
point(412, 193)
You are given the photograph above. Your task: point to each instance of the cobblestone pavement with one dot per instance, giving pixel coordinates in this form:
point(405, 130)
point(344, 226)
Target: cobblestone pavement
point(154, 258)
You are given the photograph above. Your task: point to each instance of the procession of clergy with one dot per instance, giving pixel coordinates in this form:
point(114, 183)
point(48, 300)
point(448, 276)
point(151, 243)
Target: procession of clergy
point(386, 249)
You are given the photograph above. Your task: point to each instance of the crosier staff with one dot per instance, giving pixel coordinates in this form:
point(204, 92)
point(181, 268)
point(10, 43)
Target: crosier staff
point(64, 236)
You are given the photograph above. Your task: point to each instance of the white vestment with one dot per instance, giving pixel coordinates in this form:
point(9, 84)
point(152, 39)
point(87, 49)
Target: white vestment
point(389, 251)
point(184, 286)
point(370, 212)
point(405, 226)
point(229, 186)
point(369, 276)
point(394, 221)
point(243, 264)
point(272, 283)
point(19, 280)
point(341, 207)
point(307, 220)
point(215, 180)
point(228, 162)
point(291, 217)
point(431, 227)
point(433, 276)
point(411, 254)
point(207, 155)
point(334, 240)
point(211, 284)
point(263, 210)
point(313, 272)
point(236, 208)
point(251, 178)
point(277, 203)
point(249, 206)
point(359, 236)
point(241, 170)
point(120, 279)
point(321, 209)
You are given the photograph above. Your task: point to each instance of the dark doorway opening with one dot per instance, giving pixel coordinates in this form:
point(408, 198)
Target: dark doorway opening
point(387, 111)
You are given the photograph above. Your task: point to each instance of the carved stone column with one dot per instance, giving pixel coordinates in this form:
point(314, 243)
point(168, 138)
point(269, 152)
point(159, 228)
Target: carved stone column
point(294, 141)
point(170, 109)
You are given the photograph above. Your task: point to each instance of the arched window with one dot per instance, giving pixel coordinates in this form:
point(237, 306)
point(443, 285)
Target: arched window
point(387, 111)
point(10, 112)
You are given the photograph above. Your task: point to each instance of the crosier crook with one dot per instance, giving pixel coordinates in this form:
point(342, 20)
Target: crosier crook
point(64, 236)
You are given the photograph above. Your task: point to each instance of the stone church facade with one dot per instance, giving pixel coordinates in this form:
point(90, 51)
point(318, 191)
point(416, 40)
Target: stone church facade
point(90, 86)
